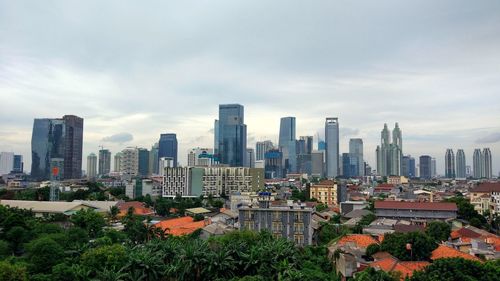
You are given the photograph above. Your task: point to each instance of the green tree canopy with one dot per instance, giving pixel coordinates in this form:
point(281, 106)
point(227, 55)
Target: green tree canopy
point(421, 246)
point(459, 269)
point(438, 231)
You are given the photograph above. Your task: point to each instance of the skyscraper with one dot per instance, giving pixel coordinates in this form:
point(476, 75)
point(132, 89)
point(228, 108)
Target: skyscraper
point(273, 164)
point(408, 166)
point(287, 144)
point(216, 137)
point(104, 162)
point(129, 162)
point(18, 164)
point(60, 139)
point(477, 163)
point(389, 155)
point(167, 147)
point(349, 167)
point(449, 166)
point(461, 165)
point(261, 147)
point(143, 164)
point(153, 159)
point(356, 154)
point(6, 162)
point(433, 167)
point(91, 166)
point(118, 161)
point(232, 133)
point(250, 158)
point(332, 147)
point(488, 171)
point(425, 167)
point(305, 145)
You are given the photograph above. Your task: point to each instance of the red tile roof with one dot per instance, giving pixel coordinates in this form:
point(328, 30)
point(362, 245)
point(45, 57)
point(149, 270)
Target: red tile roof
point(326, 182)
point(487, 187)
point(464, 233)
point(139, 208)
point(435, 206)
point(385, 185)
point(361, 240)
point(442, 252)
point(180, 226)
point(406, 268)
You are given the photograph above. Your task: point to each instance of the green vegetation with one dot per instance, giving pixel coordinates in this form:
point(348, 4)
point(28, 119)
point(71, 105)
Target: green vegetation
point(459, 269)
point(365, 221)
point(438, 231)
point(420, 243)
point(466, 211)
point(371, 274)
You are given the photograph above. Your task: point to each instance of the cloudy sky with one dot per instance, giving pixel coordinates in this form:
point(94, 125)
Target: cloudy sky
point(135, 69)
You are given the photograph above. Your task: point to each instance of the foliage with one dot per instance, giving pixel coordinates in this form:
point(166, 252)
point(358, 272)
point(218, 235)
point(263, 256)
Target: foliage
point(112, 256)
point(372, 249)
point(466, 211)
point(43, 253)
point(12, 272)
point(330, 231)
point(298, 195)
point(321, 207)
point(89, 220)
point(198, 217)
point(438, 231)
point(459, 269)
point(4, 249)
point(365, 221)
point(370, 274)
point(421, 246)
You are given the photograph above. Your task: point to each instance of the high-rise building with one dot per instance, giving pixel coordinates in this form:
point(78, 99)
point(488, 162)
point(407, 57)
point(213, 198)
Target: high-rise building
point(167, 147)
point(356, 154)
point(250, 158)
point(129, 162)
point(425, 167)
point(201, 157)
point(408, 166)
point(273, 164)
point(232, 133)
point(449, 166)
point(165, 162)
point(6, 162)
point(104, 162)
point(389, 155)
point(321, 145)
point(288, 144)
point(153, 159)
point(216, 137)
point(488, 169)
point(332, 147)
point(305, 145)
point(317, 163)
point(477, 163)
point(118, 161)
point(18, 164)
point(91, 166)
point(57, 138)
point(349, 168)
point(433, 167)
point(461, 171)
point(261, 147)
point(143, 164)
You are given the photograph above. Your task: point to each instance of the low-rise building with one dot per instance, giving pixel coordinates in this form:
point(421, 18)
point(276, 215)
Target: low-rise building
point(325, 192)
point(486, 197)
point(292, 222)
point(415, 210)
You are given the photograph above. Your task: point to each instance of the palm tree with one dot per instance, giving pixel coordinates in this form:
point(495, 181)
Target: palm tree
point(113, 212)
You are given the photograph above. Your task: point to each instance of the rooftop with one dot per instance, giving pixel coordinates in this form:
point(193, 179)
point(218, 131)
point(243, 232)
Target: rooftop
point(180, 226)
point(432, 206)
point(139, 208)
point(46, 206)
point(487, 187)
point(360, 240)
point(198, 210)
point(442, 252)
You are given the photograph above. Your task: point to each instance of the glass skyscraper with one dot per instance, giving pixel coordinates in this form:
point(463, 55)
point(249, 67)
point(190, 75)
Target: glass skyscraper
point(167, 147)
point(449, 167)
point(104, 162)
point(461, 165)
point(288, 144)
point(57, 140)
point(332, 147)
point(356, 154)
point(232, 135)
point(425, 167)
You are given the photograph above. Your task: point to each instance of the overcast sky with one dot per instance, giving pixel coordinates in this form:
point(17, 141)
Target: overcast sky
point(135, 69)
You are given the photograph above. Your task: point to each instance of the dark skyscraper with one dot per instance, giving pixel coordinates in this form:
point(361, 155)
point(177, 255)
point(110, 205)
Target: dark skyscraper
point(287, 144)
point(104, 162)
point(232, 133)
point(143, 165)
point(167, 147)
point(425, 167)
point(408, 166)
point(57, 140)
point(449, 168)
point(18, 164)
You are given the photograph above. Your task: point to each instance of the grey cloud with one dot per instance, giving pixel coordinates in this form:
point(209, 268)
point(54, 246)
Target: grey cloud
point(345, 132)
point(492, 138)
point(119, 138)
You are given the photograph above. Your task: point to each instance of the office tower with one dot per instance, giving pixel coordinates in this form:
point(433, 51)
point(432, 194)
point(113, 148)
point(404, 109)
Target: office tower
point(273, 164)
point(216, 137)
point(488, 169)
point(129, 162)
point(389, 155)
point(91, 166)
point(317, 163)
point(368, 169)
point(153, 159)
point(287, 144)
point(356, 154)
point(232, 132)
point(167, 147)
point(165, 162)
point(143, 164)
point(408, 166)
point(413, 170)
point(461, 171)
point(118, 160)
point(449, 164)
point(201, 157)
point(261, 147)
point(332, 147)
point(104, 162)
point(57, 138)
point(321, 145)
point(6, 162)
point(18, 164)
point(305, 145)
point(349, 168)
point(425, 167)
point(433, 167)
point(468, 171)
point(250, 158)
point(477, 163)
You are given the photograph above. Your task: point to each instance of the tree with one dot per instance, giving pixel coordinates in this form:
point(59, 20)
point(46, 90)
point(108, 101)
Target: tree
point(421, 246)
point(12, 272)
point(329, 231)
point(43, 253)
point(438, 231)
point(370, 274)
point(89, 220)
point(198, 217)
point(4, 249)
point(162, 207)
point(113, 213)
point(321, 207)
point(458, 269)
point(218, 204)
point(372, 249)
point(110, 256)
point(17, 236)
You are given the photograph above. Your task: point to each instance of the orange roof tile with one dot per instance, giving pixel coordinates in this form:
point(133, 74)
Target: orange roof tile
point(139, 208)
point(392, 264)
point(180, 226)
point(443, 251)
point(361, 240)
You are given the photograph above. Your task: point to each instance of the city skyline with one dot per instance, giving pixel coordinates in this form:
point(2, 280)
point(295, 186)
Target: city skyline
point(437, 77)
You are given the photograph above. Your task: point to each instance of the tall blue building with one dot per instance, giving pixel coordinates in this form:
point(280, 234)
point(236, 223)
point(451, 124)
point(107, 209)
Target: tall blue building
point(232, 135)
point(425, 167)
point(273, 164)
point(143, 165)
point(288, 144)
point(57, 141)
point(167, 147)
point(332, 147)
point(18, 164)
point(349, 165)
